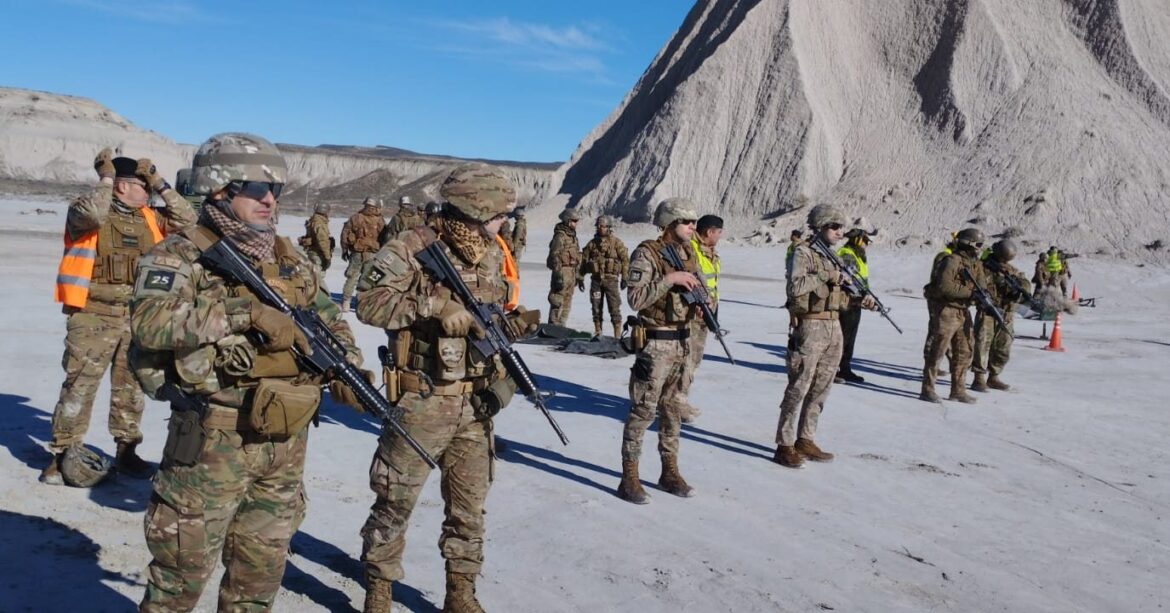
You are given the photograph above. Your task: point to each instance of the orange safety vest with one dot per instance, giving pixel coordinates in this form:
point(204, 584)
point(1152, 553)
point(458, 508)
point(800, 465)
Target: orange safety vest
point(511, 274)
point(77, 263)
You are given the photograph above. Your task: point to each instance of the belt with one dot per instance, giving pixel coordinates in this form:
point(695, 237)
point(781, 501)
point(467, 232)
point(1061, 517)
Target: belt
point(421, 384)
point(826, 315)
point(223, 418)
point(667, 334)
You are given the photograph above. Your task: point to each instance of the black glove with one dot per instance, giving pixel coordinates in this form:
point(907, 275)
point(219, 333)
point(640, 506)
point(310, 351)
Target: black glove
point(581, 285)
point(345, 255)
point(624, 285)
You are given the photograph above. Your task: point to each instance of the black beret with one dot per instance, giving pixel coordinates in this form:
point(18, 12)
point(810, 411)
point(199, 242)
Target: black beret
point(708, 221)
point(125, 168)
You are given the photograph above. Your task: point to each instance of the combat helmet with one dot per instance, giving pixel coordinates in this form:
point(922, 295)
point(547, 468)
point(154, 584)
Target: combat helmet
point(823, 215)
point(674, 209)
point(479, 191)
point(1004, 250)
point(605, 221)
point(322, 208)
point(236, 156)
point(83, 467)
point(970, 237)
point(570, 215)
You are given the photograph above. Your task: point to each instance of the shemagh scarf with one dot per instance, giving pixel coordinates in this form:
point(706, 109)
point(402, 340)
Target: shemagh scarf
point(254, 240)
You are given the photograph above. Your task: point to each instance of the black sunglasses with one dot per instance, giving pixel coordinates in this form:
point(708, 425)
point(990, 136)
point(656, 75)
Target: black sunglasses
point(256, 190)
point(836, 226)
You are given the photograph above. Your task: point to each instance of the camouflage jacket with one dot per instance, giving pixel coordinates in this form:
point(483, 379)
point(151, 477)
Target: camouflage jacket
point(362, 231)
point(316, 238)
point(658, 302)
point(401, 221)
point(947, 284)
point(520, 233)
point(605, 256)
point(811, 287)
point(1001, 291)
point(192, 319)
point(563, 250)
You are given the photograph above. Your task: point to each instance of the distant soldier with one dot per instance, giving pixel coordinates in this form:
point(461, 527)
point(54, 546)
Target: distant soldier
point(853, 254)
point(231, 481)
point(815, 297)
point(1056, 270)
point(663, 361)
point(564, 260)
point(948, 300)
point(519, 232)
point(406, 217)
point(317, 242)
point(359, 243)
point(1040, 273)
point(993, 343)
point(106, 231)
point(607, 262)
point(708, 233)
point(505, 235)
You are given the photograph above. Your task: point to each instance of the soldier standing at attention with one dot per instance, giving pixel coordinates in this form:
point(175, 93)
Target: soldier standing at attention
point(948, 298)
point(359, 243)
point(450, 394)
point(317, 242)
point(564, 260)
point(708, 232)
point(663, 359)
point(815, 297)
point(993, 343)
point(519, 232)
point(852, 254)
point(231, 476)
point(406, 217)
point(106, 231)
point(607, 262)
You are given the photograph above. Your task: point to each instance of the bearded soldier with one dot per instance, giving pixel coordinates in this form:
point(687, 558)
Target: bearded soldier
point(359, 243)
point(661, 343)
point(564, 260)
point(106, 232)
point(231, 476)
point(317, 242)
point(448, 391)
point(607, 262)
point(993, 343)
point(948, 297)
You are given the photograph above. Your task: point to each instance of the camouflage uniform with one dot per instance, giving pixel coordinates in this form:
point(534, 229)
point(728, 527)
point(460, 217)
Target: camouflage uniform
point(698, 333)
point(317, 242)
point(948, 300)
point(359, 240)
point(607, 262)
point(506, 236)
point(993, 343)
point(98, 336)
point(564, 260)
point(244, 494)
point(407, 217)
point(519, 235)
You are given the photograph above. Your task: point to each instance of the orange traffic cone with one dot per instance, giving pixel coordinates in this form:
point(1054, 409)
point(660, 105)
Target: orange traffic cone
point(1075, 295)
point(1054, 344)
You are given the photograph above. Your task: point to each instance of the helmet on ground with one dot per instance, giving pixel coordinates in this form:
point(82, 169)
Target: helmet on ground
point(605, 221)
point(83, 467)
point(236, 156)
point(823, 215)
point(674, 209)
point(972, 237)
point(570, 215)
point(479, 191)
point(1004, 250)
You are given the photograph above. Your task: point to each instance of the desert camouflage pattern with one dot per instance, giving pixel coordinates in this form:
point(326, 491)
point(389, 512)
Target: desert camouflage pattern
point(407, 217)
point(674, 209)
point(479, 191)
point(519, 236)
point(564, 260)
point(649, 294)
point(353, 274)
point(951, 328)
point(993, 343)
point(655, 384)
point(814, 351)
point(236, 157)
point(315, 242)
point(823, 215)
point(607, 262)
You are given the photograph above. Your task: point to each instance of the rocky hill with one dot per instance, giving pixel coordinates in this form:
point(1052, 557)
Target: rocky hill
point(1048, 116)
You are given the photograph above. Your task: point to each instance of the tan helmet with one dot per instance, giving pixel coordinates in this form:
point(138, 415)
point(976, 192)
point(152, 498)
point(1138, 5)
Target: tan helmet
point(674, 209)
point(236, 156)
point(823, 215)
point(479, 191)
point(322, 208)
point(83, 467)
point(605, 221)
point(570, 215)
point(372, 201)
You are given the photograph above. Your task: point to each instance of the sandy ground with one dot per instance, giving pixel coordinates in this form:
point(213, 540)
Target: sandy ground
point(1050, 497)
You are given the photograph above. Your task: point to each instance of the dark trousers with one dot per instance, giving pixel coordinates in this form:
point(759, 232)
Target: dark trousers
point(850, 320)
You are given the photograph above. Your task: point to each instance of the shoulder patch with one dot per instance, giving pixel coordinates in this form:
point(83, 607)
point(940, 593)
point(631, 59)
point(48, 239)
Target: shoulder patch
point(635, 275)
point(159, 279)
point(375, 275)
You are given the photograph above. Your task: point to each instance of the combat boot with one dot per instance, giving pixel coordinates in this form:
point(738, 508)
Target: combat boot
point(689, 413)
point(980, 383)
point(789, 457)
point(807, 448)
point(671, 481)
point(597, 329)
point(379, 595)
point(995, 383)
point(958, 394)
point(51, 475)
point(130, 464)
point(461, 594)
point(617, 330)
point(630, 489)
point(928, 394)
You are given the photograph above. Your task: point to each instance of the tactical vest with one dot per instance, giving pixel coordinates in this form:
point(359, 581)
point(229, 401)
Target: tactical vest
point(602, 258)
point(812, 303)
point(361, 232)
point(671, 310)
point(708, 269)
point(107, 255)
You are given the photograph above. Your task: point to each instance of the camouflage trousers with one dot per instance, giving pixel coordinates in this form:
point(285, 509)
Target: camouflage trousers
point(696, 346)
point(353, 272)
point(656, 381)
point(605, 290)
point(318, 260)
point(950, 330)
point(814, 353)
point(993, 344)
point(94, 343)
point(560, 295)
point(458, 439)
point(244, 497)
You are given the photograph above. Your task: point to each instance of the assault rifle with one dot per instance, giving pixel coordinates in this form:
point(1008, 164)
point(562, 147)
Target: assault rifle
point(855, 285)
point(490, 318)
point(327, 357)
point(983, 299)
point(700, 298)
point(1013, 282)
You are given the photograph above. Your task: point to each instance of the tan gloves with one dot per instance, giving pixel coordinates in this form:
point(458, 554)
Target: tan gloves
point(280, 331)
point(521, 322)
point(104, 163)
point(458, 321)
point(343, 394)
point(149, 174)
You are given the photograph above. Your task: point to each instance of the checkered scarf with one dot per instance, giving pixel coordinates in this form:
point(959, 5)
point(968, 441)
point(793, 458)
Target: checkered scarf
point(255, 243)
point(464, 239)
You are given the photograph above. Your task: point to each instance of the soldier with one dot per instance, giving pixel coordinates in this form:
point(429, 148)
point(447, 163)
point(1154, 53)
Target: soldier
point(519, 232)
point(948, 298)
point(231, 477)
point(564, 260)
point(359, 243)
point(663, 361)
point(993, 343)
point(106, 231)
point(317, 242)
point(794, 241)
point(1040, 274)
point(853, 253)
point(815, 297)
point(708, 232)
point(607, 262)
point(407, 217)
point(1056, 269)
point(505, 235)
point(448, 392)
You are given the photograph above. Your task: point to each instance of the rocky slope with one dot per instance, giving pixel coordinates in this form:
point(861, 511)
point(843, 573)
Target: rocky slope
point(1050, 116)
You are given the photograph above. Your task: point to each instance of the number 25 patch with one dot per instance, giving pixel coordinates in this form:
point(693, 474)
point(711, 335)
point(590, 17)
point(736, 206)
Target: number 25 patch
point(159, 279)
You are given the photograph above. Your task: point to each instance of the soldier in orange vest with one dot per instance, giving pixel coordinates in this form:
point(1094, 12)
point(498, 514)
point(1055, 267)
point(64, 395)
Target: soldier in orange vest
point(106, 231)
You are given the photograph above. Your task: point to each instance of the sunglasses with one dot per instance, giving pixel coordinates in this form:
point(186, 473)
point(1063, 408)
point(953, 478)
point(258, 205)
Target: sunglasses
point(686, 222)
point(835, 226)
point(256, 190)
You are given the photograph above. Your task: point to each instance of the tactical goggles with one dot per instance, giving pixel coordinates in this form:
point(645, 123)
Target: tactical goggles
point(256, 190)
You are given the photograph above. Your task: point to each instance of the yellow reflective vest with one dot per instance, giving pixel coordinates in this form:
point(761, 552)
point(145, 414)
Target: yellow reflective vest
point(708, 269)
point(1053, 263)
point(862, 266)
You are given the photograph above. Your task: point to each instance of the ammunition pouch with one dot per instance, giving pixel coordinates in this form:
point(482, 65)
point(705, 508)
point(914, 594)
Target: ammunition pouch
point(283, 408)
point(275, 364)
point(492, 400)
point(635, 340)
point(185, 439)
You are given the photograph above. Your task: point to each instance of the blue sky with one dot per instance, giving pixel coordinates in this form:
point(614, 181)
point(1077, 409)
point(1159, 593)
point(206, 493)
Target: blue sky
point(520, 80)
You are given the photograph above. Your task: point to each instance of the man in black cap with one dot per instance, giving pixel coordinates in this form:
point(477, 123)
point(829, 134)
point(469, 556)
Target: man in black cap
point(852, 253)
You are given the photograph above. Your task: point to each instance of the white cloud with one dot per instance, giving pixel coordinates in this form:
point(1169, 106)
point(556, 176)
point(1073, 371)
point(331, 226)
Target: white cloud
point(569, 49)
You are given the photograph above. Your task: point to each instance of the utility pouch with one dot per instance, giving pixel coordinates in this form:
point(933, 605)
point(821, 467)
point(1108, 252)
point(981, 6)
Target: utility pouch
point(276, 364)
point(282, 408)
point(390, 379)
point(637, 335)
point(185, 438)
point(450, 359)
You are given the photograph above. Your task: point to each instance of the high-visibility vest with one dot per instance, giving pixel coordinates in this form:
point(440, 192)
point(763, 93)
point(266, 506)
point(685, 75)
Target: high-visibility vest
point(511, 274)
point(862, 266)
point(1053, 263)
point(708, 269)
point(76, 268)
